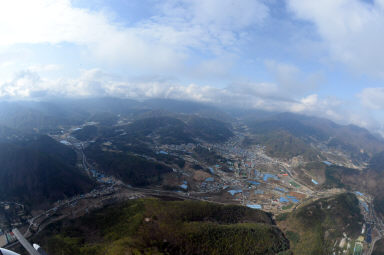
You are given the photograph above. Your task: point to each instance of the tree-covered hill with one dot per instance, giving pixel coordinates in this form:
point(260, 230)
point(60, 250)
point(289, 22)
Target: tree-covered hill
point(153, 226)
point(38, 171)
point(313, 228)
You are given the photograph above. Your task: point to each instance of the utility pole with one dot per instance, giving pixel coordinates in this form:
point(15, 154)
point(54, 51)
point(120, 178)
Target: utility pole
point(24, 242)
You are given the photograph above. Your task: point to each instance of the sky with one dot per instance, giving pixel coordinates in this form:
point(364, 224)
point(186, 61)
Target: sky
point(322, 58)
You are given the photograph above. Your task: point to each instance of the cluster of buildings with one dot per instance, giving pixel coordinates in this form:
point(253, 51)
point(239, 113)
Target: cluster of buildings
point(245, 175)
point(72, 202)
point(6, 238)
point(356, 246)
point(348, 246)
point(102, 178)
point(262, 182)
point(364, 201)
point(12, 215)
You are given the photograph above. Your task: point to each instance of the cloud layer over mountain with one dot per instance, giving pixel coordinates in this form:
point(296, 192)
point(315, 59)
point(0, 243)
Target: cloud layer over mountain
point(315, 57)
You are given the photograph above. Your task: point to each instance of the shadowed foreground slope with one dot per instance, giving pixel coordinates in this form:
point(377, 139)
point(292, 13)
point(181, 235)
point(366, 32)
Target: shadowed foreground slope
point(152, 226)
point(39, 171)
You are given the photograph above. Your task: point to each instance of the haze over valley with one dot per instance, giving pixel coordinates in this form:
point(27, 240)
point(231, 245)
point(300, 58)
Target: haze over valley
point(191, 127)
point(78, 156)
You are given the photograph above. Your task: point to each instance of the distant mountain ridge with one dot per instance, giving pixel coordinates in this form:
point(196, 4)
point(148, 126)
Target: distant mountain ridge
point(304, 131)
point(187, 147)
point(136, 127)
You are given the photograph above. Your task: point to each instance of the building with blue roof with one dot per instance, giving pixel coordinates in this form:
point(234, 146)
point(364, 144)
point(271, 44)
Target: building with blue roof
point(365, 206)
point(359, 193)
point(254, 206)
point(293, 199)
point(269, 176)
point(235, 191)
point(281, 189)
point(327, 163)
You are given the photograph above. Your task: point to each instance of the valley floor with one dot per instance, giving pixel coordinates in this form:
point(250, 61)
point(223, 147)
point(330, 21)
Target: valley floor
point(244, 176)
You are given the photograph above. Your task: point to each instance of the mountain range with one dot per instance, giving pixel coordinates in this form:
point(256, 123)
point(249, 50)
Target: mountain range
point(175, 146)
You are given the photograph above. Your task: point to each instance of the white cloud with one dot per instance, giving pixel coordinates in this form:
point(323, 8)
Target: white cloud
point(263, 89)
point(95, 82)
point(163, 42)
point(29, 84)
point(292, 81)
point(225, 13)
point(23, 85)
point(219, 21)
point(352, 29)
point(44, 68)
point(305, 104)
point(372, 98)
point(342, 112)
point(266, 96)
